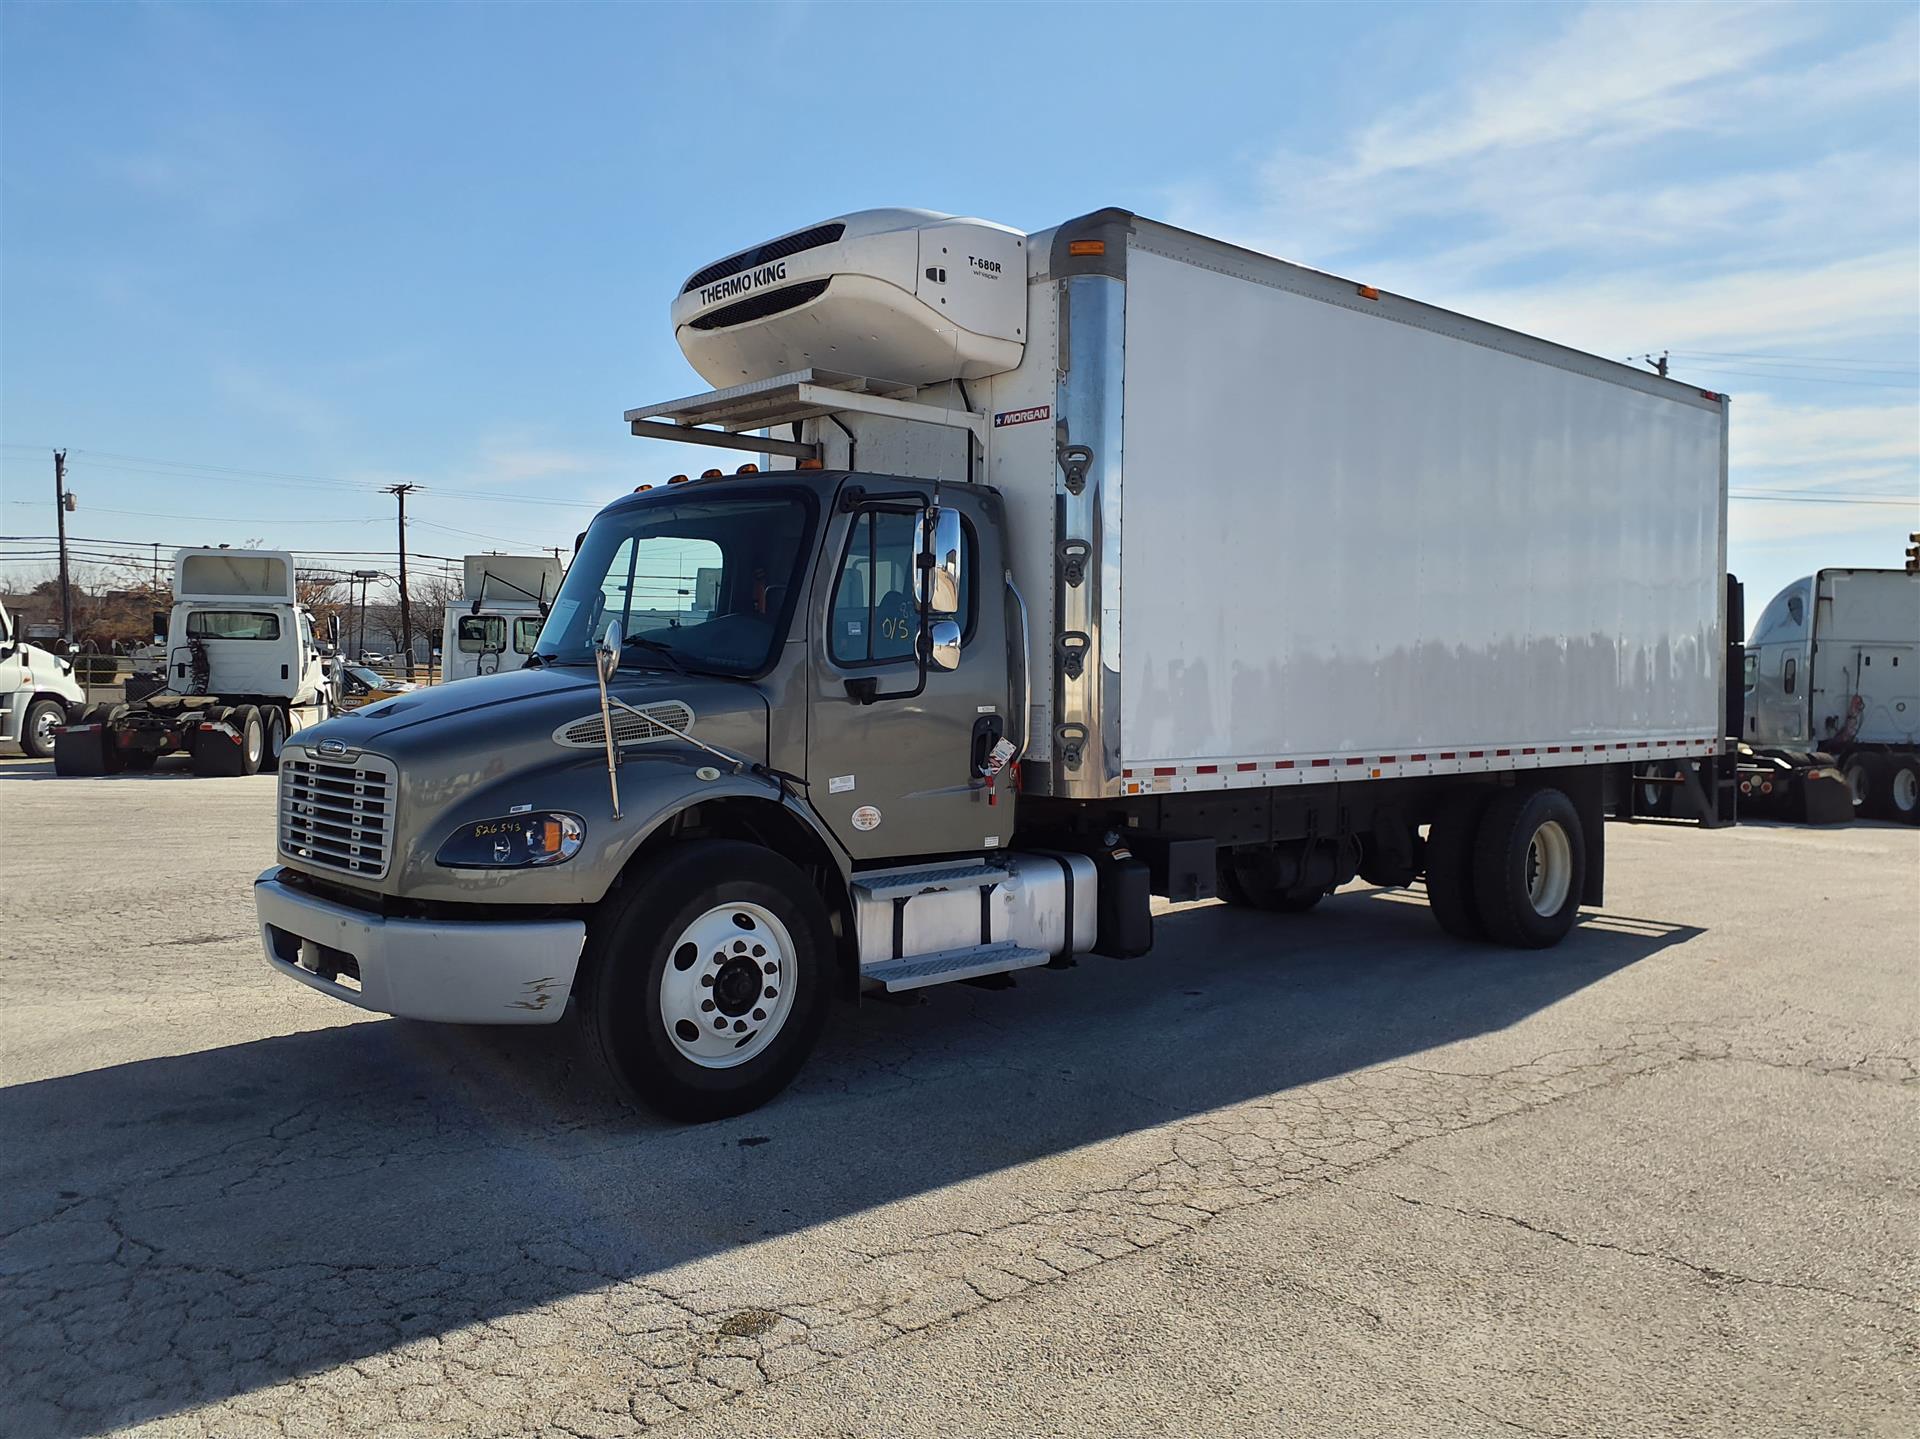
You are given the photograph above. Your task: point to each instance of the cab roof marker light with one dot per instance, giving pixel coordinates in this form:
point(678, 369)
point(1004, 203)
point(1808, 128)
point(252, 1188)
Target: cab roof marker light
point(709, 474)
point(748, 470)
point(1086, 247)
point(811, 465)
point(1369, 292)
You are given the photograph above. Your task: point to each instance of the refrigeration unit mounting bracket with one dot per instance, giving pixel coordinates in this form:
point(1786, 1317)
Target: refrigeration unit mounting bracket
point(719, 417)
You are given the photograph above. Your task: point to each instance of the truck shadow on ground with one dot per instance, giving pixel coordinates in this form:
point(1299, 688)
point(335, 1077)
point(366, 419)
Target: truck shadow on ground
point(180, 1230)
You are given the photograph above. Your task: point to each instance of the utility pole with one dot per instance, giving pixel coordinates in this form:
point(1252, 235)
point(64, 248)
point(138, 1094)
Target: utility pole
point(60, 508)
point(360, 645)
point(400, 493)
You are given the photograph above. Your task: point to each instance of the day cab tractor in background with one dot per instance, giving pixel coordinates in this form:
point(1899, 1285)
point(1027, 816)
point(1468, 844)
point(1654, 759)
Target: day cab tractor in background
point(1833, 685)
point(244, 670)
point(38, 692)
point(499, 616)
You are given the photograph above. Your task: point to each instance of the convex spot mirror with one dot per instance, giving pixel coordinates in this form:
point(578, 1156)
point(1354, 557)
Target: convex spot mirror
point(938, 531)
point(943, 645)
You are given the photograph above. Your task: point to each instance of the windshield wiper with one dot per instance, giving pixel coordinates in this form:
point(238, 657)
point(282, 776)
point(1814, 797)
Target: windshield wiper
point(654, 647)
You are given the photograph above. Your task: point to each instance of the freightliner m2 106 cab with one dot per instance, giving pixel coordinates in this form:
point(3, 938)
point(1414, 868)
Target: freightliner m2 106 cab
point(1072, 569)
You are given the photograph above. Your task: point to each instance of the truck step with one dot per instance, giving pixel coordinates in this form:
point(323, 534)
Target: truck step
point(919, 970)
point(905, 883)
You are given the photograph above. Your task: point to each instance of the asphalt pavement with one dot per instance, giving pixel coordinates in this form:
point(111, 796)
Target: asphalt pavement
point(1330, 1174)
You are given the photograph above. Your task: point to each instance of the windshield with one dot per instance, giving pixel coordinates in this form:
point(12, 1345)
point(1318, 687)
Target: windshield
point(711, 577)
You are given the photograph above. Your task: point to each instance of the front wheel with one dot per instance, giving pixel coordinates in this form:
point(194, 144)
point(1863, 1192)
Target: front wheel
point(37, 733)
point(703, 982)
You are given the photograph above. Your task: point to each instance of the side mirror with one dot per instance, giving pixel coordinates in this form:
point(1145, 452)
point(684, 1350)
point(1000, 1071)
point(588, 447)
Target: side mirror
point(606, 655)
point(943, 645)
point(938, 533)
point(333, 630)
point(159, 627)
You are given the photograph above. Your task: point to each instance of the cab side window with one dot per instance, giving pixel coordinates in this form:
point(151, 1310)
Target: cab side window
point(876, 615)
point(1791, 673)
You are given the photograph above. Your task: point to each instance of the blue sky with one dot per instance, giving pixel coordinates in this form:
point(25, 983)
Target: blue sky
point(257, 261)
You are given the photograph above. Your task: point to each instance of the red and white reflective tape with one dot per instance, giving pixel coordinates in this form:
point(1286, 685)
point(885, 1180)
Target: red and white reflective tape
point(1151, 777)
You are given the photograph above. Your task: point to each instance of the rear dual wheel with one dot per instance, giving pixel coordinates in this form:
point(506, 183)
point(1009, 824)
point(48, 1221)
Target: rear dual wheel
point(1507, 865)
point(235, 747)
point(1885, 786)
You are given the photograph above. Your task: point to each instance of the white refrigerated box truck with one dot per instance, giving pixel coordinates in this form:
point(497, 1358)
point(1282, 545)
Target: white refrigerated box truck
point(1075, 567)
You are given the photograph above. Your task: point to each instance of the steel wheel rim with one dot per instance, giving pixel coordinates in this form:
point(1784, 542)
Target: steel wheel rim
point(1549, 869)
point(727, 987)
point(1906, 790)
point(43, 729)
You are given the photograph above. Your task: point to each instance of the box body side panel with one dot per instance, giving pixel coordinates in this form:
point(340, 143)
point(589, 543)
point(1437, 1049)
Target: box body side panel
point(1344, 535)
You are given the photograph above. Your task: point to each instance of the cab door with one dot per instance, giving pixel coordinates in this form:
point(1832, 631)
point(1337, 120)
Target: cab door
point(901, 776)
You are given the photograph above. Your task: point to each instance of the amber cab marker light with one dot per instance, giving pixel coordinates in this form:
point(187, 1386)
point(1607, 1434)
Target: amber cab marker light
point(812, 465)
point(1369, 292)
point(1086, 247)
point(641, 489)
point(676, 479)
point(748, 470)
point(709, 474)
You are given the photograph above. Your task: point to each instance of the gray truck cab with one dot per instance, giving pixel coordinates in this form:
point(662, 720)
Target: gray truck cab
point(795, 711)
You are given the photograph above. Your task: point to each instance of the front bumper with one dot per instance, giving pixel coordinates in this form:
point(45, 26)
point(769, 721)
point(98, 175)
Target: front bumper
point(451, 971)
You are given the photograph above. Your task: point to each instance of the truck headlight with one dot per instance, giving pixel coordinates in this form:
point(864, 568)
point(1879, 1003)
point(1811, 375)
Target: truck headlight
point(514, 841)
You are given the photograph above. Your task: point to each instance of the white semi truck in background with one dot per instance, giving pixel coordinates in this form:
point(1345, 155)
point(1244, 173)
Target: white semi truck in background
point(38, 692)
point(503, 605)
point(1833, 669)
point(1074, 568)
point(244, 669)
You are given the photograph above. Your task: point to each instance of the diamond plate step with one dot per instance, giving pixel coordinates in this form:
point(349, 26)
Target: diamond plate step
point(908, 882)
point(919, 970)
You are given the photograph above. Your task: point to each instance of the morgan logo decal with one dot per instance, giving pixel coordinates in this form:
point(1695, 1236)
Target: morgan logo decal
point(1021, 417)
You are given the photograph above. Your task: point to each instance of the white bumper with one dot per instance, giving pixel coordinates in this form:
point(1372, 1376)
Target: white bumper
point(452, 971)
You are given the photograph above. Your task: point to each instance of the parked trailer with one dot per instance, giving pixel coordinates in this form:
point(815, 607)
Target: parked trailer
point(244, 670)
point(1833, 680)
point(1074, 568)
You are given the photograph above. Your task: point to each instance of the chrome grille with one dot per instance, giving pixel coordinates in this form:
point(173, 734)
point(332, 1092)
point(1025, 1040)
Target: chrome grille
point(338, 814)
point(628, 728)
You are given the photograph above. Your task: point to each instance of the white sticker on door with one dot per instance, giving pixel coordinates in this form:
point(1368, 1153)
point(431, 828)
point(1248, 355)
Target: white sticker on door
point(840, 784)
point(866, 817)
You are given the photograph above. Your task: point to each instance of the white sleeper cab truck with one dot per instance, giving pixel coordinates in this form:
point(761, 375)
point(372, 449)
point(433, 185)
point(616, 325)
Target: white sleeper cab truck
point(1070, 569)
point(38, 692)
point(497, 623)
point(1833, 669)
point(244, 670)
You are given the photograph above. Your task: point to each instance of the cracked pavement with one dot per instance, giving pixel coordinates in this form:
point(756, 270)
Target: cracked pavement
point(1297, 1175)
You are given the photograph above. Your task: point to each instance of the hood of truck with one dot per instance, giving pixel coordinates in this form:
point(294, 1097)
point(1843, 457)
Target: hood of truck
point(529, 738)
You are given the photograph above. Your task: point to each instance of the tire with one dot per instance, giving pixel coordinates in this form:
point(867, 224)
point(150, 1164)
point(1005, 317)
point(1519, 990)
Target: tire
point(276, 722)
point(1529, 867)
point(1227, 881)
point(1901, 787)
point(80, 754)
point(37, 731)
point(215, 755)
point(253, 738)
point(1651, 798)
point(1450, 839)
point(701, 910)
point(1243, 887)
point(1864, 779)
